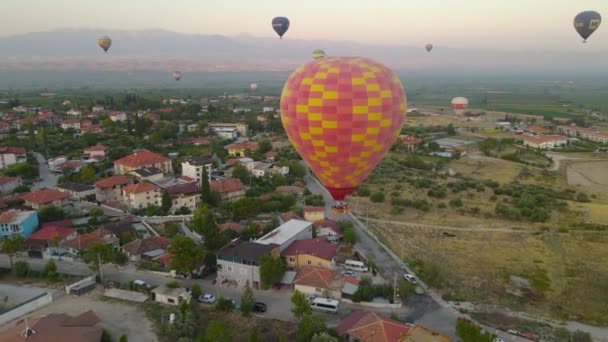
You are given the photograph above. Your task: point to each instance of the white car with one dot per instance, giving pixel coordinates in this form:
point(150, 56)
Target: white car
point(410, 278)
point(207, 298)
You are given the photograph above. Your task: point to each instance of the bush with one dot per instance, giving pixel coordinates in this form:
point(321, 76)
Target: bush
point(224, 304)
point(582, 197)
point(21, 268)
point(172, 284)
point(456, 203)
point(442, 205)
point(377, 197)
point(363, 191)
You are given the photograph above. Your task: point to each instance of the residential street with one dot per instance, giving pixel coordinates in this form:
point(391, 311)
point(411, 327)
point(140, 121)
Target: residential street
point(47, 179)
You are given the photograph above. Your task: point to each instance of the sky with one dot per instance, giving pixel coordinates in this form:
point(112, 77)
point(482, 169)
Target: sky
point(495, 24)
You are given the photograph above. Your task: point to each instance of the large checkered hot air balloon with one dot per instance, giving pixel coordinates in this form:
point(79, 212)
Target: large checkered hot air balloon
point(342, 115)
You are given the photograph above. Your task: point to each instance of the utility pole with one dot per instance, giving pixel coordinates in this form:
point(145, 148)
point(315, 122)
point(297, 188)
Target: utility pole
point(395, 289)
point(99, 265)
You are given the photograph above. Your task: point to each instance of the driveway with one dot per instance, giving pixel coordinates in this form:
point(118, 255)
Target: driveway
point(47, 179)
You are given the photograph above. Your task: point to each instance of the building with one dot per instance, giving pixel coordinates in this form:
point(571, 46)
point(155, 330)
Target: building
point(311, 252)
point(268, 110)
point(545, 142)
point(270, 156)
point(110, 189)
point(97, 108)
point(10, 155)
point(142, 195)
point(226, 133)
point(9, 184)
point(44, 242)
point(239, 261)
point(96, 152)
point(230, 189)
point(318, 282)
point(327, 228)
point(193, 167)
point(291, 190)
point(290, 215)
point(241, 128)
point(366, 326)
point(14, 222)
point(539, 130)
point(77, 190)
point(70, 124)
point(171, 296)
point(314, 214)
point(142, 159)
point(184, 196)
point(240, 149)
point(74, 112)
point(118, 116)
point(150, 174)
point(259, 169)
point(584, 133)
point(421, 333)
point(45, 198)
point(56, 327)
point(146, 248)
point(287, 233)
point(82, 242)
point(409, 142)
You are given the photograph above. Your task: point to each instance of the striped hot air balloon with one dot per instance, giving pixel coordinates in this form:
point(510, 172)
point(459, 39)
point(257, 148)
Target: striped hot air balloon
point(342, 115)
point(460, 105)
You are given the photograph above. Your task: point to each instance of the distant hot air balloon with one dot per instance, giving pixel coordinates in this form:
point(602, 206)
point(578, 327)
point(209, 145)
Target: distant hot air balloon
point(459, 105)
point(253, 87)
point(318, 53)
point(428, 47)
point(585, 23)
point(280, 25)
point(177, 75)
point(104, 42)
point(342, 115)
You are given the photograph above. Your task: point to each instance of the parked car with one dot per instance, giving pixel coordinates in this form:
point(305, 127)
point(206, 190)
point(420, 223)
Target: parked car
point(141, 284)
point(410, 278)
point(349, 273)
point(259, 307)
point(207, 298)
point(310, 298)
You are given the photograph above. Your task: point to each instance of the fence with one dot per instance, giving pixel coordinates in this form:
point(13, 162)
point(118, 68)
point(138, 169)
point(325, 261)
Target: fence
point(27, 307)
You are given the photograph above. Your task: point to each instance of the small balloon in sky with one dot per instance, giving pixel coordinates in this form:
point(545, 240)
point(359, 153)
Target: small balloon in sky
point(428, 47)
point(585, 23)
point(280, 25)
point(318, 54)
point(104, 42)
point(177, 75)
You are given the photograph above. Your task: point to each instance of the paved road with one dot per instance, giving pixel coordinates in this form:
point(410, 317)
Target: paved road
point(48, 179)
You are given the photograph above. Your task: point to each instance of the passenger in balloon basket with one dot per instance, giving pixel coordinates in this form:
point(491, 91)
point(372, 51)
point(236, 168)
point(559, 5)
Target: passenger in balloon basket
point(340, 208)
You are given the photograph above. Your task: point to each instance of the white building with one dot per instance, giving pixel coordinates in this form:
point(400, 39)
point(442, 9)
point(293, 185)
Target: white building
point(193, 167)
point(268, 109)
point(241, 110)
point(74, 112)
point(171, 296)
point(10, 155)
point(241, 128)
point(287, 233)
point(239, 261)
point(225, 133)
point(118, 116)
point(98, 108)
point(259, 169)
point(545, 141)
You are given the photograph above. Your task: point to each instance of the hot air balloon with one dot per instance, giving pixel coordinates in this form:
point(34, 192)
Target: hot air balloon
point(459, 105)
point(177, 75)
point(342, 115)
point(280, 25)
point(428, 47)
point(104, 42)
point(253, 87)
point(318, 53)
point(585, 23)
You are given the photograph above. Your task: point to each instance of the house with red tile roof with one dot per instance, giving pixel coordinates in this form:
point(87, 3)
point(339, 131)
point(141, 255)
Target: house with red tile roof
point(232, 226)
point(44, 198)
point(421, 333)
point(290, 215)
point(82, 242)
point(319, 282)
point(310, 252)
point(8, 184)
point(584, 133)
point(96, 152)
point(327, 227)
point(43, 243)
point(409, 142)
point(110, 189)
point(150, 247)
point(290, 189)
point(117, 116)
point(70, 124)
point(270, 156)
point(184, 196)
point(142, 195)
point(538, 130)
point(230, 189)
point(142, 159)
point(10, 155)
point(314, 214)
point(366, 326)
point(56, 327)
point(544, 142)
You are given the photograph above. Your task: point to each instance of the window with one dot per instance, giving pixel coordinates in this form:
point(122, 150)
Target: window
point(308, 261)
point(318, 290)
point(171, 300)
point(229, 268)
point(292, 259)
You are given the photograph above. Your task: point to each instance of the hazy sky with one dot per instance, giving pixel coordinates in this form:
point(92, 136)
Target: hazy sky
point(508, 24)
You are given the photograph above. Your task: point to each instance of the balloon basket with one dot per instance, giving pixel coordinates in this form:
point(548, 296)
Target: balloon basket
point(340, 208)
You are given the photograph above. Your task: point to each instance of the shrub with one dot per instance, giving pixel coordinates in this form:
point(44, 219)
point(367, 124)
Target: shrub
point(224, 304)
point(172, 284)
point(377, 197)
point(442, 205)
point(363, 191)
point(21, 268)
point(456, 203)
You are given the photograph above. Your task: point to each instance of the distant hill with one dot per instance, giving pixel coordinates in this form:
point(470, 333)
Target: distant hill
point(163, 51)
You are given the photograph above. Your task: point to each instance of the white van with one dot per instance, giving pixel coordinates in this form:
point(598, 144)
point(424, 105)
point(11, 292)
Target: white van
point(355, 266)
point(141, 283)
point(325, 304)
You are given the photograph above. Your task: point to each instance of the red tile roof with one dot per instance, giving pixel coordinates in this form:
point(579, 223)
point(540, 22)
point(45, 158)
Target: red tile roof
point(140, 187)
point(373, 327)
point(271, 154)
point(47, 233)
point(538, 129)
point(142, 158)
point(246, 145)
point(290, 215)
point(315, 277)
point(96, 148)
point(544, 138)
point(5, 180)
point(314, 209)
point(7, 217)
point(226, 185)
point(44, 196)
point(333, 225)
point(409, 139)
point(349, 321)
point(83, 242)
point(316, 247)
point(110, 182)
point(290, 189)
point(140, 246)
point(234, 226)
point(186, 189)
point(12, 149)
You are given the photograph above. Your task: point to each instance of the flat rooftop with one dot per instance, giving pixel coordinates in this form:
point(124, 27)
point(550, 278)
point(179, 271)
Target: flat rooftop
point(284, 232)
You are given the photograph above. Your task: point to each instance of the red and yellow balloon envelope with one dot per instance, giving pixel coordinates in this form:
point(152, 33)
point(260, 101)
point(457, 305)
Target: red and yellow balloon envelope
point(342, 115)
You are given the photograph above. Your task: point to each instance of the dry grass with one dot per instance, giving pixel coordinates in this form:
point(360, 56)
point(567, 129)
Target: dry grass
point(478, 167)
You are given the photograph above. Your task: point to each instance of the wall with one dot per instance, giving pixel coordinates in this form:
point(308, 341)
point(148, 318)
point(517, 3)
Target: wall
point(239, 273)
point(314, 216)
point(308, 290)
point(69, 288)
point(27, 307)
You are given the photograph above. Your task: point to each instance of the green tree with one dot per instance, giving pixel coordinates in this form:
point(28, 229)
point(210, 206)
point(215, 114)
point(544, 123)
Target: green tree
point(50, 267)
point(323, 337)
point(21, 268)
point(23, 170)
point(105, 336)
point(98, 252)
point(264, 146)
point(301, 306)
point(166, 202)
point(51, 213)
point(203, 221)
point(308, 326)
point(405, 289)
point(271, 270)
point(21, 189)
point(31, 134)
point(296, 169)
point(471, 332)
point(377, 197)
point(196, 290)
point(247, 300)
point(95, 215)
point(123, 338)
point(217, 331)
point(561, 335)
point(254, 336)
point(205, 189)
point(185, 254)
point(349, 235)
point(245, 208)
point(581, 336)
point(224, 304)
point(86, 175)
point(11, 246)
point(240, 172)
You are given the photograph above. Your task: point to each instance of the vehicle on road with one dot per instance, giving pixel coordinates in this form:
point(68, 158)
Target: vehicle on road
point(355, 265)
point(410, 277)
point(310, 299)
point(349, 273)
point(419, 290)
point(498, 339)
point(259, 307)
point(207, 298)
point(141, 284)
point(325, 304)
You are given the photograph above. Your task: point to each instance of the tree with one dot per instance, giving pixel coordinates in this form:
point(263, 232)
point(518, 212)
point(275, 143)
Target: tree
point(350, 236)
point(581, 336)
point(405, 289)
point(205, 189)
point(21, 268)
point(22, 188)
point(23, 170)
point(185, 254)
point(224, 304)
point(50, 267)
point(247, 300)
point(51, 213)
point(86, 175)
point(196, 290)
point(123, 338)
point(240, 172)
point(166, 202)
point(105, 336)
point(98, 252)
point(323, 337)
point(561, 335)
point(309, 326)
point(271, 270)
point(11, 246)
point(217, 331)
point(264, 146)
point(471, 332)
point(301, 306)
point(94, 216)
point(377, 197)
point(245, 208)
point(203, 221)
point(254, 336)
